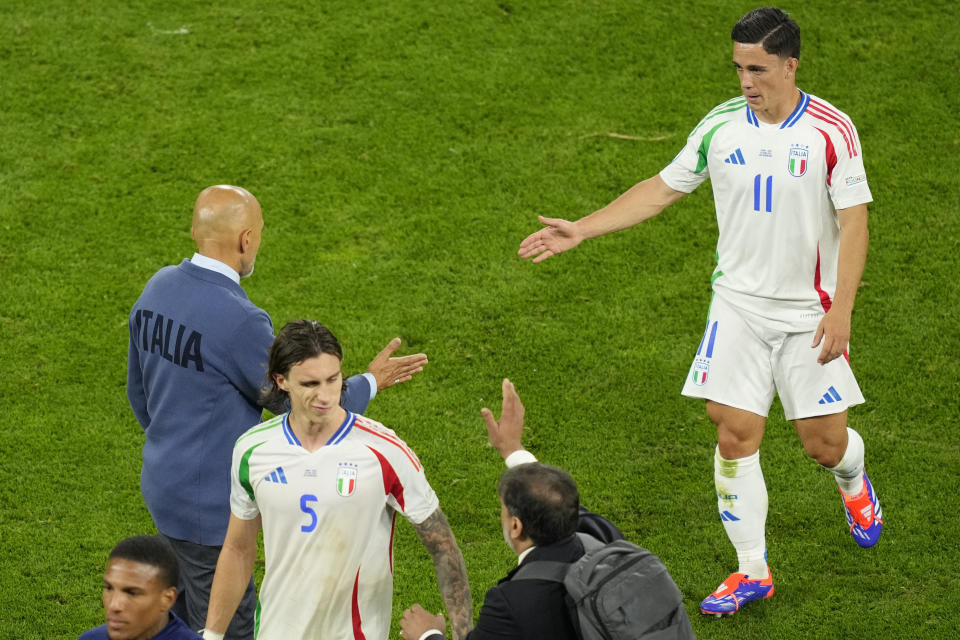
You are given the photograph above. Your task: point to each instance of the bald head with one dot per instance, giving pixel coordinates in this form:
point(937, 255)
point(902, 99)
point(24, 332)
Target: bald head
point(227, 222)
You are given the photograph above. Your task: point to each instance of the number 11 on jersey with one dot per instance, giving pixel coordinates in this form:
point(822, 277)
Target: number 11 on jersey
point(758, 193)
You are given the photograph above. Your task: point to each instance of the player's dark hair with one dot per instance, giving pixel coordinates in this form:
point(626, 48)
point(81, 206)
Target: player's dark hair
point(544, 498)
point(298, 341)
point(772, 28)
point(153, 551)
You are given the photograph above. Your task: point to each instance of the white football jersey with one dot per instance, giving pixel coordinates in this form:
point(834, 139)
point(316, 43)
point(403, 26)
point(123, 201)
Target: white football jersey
point(328, 521)
point(777, 188)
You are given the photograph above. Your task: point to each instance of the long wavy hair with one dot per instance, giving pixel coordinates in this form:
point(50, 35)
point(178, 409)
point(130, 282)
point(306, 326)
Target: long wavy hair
point(297, 341)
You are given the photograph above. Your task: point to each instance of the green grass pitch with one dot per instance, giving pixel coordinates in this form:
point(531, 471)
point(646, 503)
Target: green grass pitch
point(401, 150)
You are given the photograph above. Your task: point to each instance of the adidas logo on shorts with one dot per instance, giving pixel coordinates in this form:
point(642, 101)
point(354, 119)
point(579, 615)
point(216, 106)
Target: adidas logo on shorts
point(830, 397)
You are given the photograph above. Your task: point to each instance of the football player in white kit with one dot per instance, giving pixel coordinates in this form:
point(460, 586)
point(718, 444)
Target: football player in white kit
point(791, 199)
point(325, 486)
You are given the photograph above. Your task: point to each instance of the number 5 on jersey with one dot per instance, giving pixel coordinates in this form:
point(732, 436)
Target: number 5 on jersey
point(305, 499)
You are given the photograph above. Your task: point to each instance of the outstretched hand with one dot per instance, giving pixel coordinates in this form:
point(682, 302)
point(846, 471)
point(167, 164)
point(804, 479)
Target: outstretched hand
point(506, 434)
point(390, 371)
point(556, 237)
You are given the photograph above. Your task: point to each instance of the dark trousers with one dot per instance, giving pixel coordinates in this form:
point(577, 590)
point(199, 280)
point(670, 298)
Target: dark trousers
point(197, 565)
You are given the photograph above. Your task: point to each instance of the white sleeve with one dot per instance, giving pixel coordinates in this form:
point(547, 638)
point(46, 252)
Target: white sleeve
point(848, 180)
point(520, 456)
point(242, 499)
point(373, 384)
point(681, 174)
point(408, 491)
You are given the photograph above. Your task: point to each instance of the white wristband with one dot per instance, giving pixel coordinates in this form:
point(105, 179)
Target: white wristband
point(207, 634)
point(431, 632)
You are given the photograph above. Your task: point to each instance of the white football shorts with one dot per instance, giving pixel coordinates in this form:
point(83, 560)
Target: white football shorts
point(741, 362)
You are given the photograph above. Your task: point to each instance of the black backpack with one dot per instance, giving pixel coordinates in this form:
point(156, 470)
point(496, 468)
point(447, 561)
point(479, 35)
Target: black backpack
point(617, 591)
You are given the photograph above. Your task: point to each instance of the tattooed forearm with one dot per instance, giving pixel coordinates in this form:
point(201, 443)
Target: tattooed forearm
point(437, 537)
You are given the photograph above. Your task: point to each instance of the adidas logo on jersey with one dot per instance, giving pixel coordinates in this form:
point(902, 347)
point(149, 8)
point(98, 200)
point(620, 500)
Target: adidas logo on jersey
point(736, 158)
point(830, 397)
point(277, 476)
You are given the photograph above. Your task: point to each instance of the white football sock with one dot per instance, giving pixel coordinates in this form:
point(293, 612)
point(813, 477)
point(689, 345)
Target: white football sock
point(742, 503)
point(849, 471)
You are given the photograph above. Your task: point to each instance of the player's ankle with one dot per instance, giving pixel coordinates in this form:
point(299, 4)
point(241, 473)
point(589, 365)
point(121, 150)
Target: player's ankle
point(755, 572)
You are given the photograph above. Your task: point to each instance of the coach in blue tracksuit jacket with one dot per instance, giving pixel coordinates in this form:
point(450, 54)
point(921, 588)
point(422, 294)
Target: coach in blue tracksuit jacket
point(197, 360)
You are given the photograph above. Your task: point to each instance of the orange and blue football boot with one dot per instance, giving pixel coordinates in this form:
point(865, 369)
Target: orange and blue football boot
point(864, 516)
point(736, 591)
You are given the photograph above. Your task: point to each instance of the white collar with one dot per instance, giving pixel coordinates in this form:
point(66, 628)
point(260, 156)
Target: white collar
point(525, 553)
point(205, 262)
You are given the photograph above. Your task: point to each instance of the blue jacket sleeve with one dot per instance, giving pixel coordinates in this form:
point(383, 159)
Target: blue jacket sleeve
point(356, 394)
point(135, 393)
point(247, 363)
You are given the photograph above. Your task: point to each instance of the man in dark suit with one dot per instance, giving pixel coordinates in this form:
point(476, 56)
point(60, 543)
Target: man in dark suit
point(539, 514)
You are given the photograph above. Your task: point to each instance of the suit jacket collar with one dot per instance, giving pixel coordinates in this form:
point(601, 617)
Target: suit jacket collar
point(208, 275)
point(565, 550)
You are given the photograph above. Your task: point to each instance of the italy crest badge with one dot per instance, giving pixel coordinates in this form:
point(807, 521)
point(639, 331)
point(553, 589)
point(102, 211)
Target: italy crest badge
point(797, 160)
point(346, 478)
